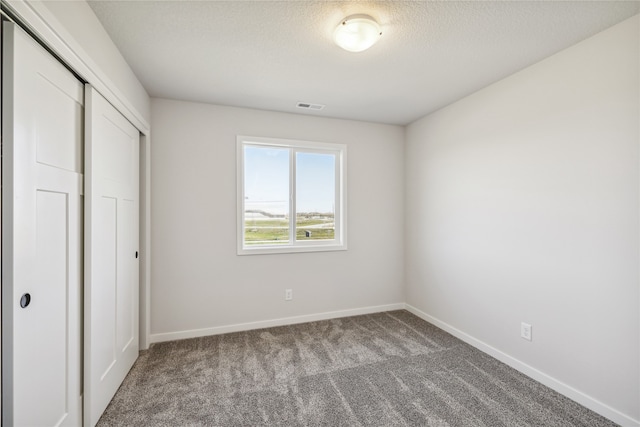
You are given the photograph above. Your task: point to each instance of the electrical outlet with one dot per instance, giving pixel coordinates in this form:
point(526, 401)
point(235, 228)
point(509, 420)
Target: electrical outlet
point(525, 331)
point(288, 294)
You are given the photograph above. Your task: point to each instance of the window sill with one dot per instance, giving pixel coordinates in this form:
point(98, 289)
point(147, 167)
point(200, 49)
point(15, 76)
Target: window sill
point(265, 250)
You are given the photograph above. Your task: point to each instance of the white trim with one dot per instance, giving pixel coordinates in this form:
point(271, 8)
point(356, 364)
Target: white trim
point(562, 388)
point(217, 330)
point(339, 242)
point(145, 242)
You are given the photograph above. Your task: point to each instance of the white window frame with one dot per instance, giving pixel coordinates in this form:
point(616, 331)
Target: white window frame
point(339, 243)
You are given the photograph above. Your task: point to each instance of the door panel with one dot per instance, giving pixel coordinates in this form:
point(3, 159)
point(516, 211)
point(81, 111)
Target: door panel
point(51, 120)
point(105, 288)
point(128, 316)
point(111, 265)
point(42, 106)
point(48, 327)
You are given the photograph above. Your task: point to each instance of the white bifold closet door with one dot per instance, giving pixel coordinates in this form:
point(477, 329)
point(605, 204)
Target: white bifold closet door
point(111, 257)
point(42, 132)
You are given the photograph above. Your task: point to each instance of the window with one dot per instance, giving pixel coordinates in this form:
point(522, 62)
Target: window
point(291, 196)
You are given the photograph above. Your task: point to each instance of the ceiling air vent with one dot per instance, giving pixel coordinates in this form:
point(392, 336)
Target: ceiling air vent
point(307, 106)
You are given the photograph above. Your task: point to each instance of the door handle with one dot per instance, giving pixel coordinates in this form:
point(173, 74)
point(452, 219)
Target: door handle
point(25, 300)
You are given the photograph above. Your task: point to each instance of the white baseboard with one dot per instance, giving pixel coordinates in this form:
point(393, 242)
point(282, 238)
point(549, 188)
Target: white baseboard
point(195, 333)
point(560, 387)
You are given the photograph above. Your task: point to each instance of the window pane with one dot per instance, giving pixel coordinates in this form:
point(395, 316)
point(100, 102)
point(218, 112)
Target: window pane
point(266, 195)
point(315, 196)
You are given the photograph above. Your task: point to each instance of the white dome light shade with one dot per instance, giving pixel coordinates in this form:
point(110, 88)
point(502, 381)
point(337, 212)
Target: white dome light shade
point(357, 33)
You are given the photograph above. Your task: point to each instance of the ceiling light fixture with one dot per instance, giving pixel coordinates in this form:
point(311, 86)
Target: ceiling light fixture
point(356, 33)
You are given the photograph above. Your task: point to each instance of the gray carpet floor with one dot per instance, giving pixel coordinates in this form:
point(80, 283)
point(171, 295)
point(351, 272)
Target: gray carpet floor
point(384, 369)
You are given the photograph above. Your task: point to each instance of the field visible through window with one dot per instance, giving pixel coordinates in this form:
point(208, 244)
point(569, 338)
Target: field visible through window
point(262, 228)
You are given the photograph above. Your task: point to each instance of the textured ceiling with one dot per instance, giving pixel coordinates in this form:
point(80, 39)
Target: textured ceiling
point(272, 54)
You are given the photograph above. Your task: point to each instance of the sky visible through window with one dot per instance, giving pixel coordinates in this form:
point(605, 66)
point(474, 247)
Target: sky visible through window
point(266, 181)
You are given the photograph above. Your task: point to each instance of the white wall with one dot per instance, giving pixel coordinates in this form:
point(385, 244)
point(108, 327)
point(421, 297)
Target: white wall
point(198, 281)
point(522, 205)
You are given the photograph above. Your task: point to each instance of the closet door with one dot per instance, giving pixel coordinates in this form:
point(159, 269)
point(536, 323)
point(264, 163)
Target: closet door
point(42, 117)
point(111, 257)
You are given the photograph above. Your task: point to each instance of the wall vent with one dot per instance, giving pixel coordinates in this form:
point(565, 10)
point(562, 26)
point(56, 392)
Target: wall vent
point(307, 106)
